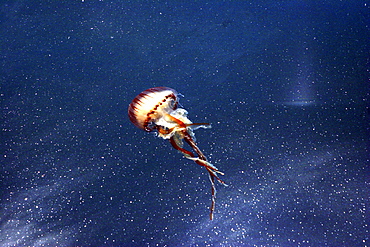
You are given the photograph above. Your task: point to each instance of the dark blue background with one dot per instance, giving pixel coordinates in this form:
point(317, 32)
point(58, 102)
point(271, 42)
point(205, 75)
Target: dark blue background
point(285, 85)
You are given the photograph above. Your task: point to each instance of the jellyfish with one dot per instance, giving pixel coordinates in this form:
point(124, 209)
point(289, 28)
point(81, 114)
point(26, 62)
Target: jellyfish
point(156, 109)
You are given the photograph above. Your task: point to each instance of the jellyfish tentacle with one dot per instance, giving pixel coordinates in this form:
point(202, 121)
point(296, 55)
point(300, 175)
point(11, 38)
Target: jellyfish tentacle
point(213, 195)
point(194, 124)
point(202, 157)
point(182, 150)
point(194, 146)
point(205, 164)
point(202, 161)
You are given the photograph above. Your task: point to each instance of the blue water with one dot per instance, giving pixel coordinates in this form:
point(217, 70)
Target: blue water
point(285, 85)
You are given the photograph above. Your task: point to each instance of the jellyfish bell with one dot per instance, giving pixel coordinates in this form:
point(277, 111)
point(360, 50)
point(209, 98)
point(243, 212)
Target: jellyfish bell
point(151, 105)
point(156, 109)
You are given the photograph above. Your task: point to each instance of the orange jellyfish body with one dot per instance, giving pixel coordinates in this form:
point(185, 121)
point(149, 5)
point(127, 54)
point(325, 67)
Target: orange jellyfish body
point(150, 105)
point(155, 109)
